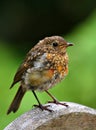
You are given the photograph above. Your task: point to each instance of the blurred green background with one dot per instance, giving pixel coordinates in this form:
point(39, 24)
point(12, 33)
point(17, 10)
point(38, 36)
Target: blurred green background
point(80, 84)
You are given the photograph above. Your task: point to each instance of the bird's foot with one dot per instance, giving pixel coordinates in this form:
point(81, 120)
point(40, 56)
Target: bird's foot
point(57, 102)
point(43, 107)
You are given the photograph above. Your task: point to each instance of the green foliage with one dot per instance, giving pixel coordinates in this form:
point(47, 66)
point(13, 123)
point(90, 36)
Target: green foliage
point(79, 86)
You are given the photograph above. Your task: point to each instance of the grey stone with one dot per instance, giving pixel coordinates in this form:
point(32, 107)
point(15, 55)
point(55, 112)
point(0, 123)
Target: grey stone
point(73, 117)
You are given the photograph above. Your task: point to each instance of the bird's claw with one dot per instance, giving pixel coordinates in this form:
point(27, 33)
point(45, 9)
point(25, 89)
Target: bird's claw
point(44, 107)
point(58, 103)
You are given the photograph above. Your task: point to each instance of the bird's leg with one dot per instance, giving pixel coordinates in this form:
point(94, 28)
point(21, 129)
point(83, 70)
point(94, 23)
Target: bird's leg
point(40, 105)
point(55, 100)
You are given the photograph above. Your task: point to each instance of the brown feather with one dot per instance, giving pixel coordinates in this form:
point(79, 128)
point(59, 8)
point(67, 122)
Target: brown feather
point(17, 100)
point(19, 74)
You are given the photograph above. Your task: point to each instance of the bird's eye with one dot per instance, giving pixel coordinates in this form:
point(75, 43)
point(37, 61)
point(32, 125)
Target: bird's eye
point(55, 44)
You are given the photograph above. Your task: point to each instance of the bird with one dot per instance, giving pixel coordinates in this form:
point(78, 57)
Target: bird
point(45, 65)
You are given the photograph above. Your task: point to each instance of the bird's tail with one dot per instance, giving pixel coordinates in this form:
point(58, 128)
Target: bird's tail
point(16, 101)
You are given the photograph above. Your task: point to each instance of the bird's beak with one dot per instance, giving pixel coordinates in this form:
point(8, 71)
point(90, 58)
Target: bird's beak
point(69, 44)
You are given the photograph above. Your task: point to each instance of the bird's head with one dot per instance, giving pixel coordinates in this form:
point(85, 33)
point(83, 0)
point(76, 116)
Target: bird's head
point(56, 44)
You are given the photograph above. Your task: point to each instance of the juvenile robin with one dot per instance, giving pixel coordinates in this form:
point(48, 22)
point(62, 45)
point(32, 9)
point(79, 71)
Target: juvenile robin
point(45, 65)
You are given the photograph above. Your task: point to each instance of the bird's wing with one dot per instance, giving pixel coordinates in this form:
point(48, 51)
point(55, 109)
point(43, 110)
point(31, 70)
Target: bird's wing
point(36, 60)
point(23, 67)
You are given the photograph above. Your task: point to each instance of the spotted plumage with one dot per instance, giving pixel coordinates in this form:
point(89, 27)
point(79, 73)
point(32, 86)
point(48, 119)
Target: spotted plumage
point(45, 65)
